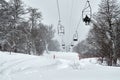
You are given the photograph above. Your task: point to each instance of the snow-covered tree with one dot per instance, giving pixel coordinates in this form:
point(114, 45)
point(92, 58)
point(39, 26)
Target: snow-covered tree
point(16, 10)
point(85, 49)
point(46, 34)
point(34, 20)
point(105, 30)
point(19, 34)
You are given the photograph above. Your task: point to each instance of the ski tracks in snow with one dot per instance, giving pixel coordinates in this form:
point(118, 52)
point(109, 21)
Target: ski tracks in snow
point(7, 68)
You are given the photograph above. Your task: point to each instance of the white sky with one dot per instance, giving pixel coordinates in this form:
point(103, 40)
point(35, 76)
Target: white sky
point(50, 15)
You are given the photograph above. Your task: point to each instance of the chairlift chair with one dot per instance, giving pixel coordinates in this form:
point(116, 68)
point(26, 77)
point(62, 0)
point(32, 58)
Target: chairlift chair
point(87, 13)
point(75, 37)
point(72, 44)
point(63, 46)
point(61, 30)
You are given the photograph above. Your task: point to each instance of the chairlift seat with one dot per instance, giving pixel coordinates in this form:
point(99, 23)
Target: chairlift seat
point(72, 45)
point(63, 45)
point(75, 39)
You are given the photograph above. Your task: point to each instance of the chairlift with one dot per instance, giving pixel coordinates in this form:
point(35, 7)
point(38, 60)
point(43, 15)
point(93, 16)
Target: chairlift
point(72, 44)
point(87, 13)
point(61, 30)
point(75, 37)
point(63, 44)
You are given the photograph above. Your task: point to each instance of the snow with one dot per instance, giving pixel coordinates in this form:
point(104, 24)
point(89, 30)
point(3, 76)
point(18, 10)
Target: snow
point(65, 66)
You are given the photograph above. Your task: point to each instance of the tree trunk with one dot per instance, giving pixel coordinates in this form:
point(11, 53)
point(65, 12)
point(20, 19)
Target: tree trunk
point(102, 60)
point(109, 61)
point(114, 61)
point(46, 47)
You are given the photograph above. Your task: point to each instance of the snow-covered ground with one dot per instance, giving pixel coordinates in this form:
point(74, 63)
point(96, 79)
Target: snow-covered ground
point(65, 66)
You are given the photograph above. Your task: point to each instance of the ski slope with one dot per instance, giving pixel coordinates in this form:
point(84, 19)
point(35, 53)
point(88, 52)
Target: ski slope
point(65, 66)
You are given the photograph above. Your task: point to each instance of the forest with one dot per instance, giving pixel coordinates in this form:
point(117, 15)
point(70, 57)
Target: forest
point(22, 30)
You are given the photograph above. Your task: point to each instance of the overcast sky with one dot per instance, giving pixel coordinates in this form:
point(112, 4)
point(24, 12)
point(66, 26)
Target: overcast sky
point(70, 15)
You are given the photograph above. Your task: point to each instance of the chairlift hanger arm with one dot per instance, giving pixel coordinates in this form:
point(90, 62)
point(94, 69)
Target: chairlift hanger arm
point(86, 7)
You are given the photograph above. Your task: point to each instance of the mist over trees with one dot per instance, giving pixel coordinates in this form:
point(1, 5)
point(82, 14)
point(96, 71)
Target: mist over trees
point(105, 32)
point(21, 29)
point(85, 49)
point(54, 45)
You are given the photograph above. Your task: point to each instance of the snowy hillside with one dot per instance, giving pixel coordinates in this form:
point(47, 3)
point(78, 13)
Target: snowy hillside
point(65, 66)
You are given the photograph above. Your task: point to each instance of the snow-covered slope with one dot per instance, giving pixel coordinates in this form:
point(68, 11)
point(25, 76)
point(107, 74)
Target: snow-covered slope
point(65, 66)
